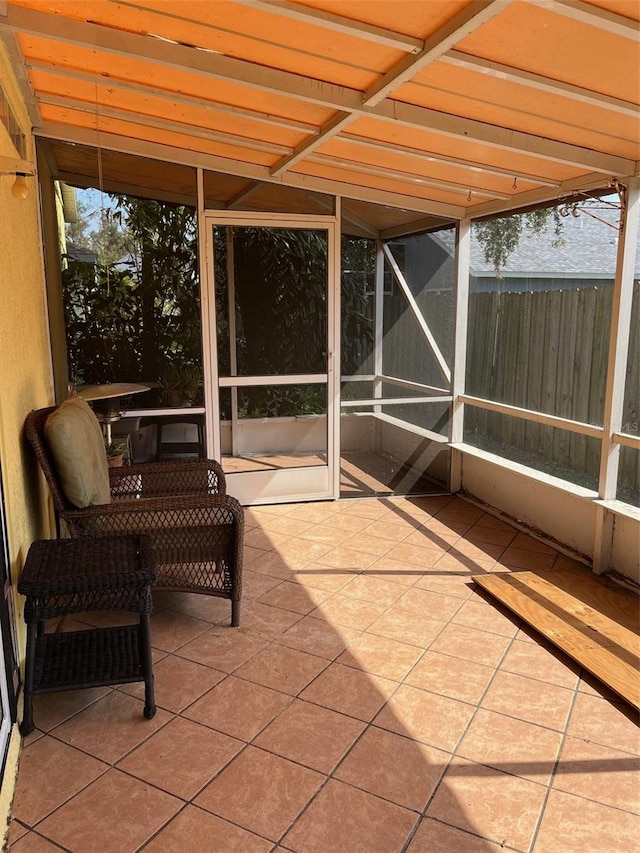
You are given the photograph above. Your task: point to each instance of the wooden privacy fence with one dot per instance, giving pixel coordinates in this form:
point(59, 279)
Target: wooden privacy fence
point(548, 351)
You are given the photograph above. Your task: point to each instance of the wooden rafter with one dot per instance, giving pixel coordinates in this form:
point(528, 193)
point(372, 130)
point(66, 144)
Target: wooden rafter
point(540, 83)
point(225, 165)
point(337, 24)
point(340, 98)
point(585, 13)
point(457, 28)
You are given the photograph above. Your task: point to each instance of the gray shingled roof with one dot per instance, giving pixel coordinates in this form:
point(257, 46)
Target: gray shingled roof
point(587, 249)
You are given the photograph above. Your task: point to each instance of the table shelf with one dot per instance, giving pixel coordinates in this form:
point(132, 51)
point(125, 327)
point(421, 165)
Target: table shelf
point(91, 658)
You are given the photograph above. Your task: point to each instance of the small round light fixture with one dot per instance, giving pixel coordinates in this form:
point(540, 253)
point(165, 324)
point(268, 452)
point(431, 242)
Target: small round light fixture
point(20, 188)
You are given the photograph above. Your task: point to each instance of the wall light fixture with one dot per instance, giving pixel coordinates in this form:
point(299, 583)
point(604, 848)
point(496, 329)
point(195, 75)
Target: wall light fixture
point(20, 170)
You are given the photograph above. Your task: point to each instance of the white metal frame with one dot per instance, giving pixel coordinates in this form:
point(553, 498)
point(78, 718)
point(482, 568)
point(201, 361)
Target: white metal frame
point(609, 435)
point(297, 483)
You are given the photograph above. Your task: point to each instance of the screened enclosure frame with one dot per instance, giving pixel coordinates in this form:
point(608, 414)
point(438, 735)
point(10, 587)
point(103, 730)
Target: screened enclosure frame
point(610, 436)
point(318, 487)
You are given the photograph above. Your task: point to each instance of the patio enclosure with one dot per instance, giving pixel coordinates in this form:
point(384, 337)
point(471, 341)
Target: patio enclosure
point(287, 422)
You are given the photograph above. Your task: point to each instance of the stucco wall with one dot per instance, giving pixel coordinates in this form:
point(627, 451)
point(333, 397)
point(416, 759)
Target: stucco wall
point(25, 374)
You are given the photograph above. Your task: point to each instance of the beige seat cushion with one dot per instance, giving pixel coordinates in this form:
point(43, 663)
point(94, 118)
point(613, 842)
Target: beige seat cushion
point(75, 439)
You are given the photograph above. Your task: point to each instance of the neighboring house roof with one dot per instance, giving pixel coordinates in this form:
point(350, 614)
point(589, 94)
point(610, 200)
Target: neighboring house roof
point(81, 254)
point(585, 249)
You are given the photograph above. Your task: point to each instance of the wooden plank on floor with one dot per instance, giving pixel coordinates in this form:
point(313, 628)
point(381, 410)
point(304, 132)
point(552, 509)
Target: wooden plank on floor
point(596, 625)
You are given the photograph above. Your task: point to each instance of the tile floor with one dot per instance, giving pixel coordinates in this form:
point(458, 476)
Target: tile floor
point(372, 702)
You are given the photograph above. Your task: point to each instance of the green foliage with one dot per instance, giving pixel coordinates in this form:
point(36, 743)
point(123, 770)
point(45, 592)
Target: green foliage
point(139, 319)
point(129, 319)
point(99, 230)
point(500, 237)
point(281, 312)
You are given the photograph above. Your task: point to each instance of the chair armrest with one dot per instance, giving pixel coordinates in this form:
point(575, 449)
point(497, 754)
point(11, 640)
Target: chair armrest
point(166, 479)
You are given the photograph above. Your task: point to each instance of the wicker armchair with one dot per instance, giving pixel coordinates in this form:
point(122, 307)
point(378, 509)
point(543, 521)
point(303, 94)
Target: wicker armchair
point(196, 529)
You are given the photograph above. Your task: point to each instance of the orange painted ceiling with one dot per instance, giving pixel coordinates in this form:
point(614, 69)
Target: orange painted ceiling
point(446, 108)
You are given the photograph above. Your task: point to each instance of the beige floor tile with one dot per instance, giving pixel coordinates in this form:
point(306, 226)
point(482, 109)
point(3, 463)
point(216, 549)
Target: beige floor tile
point(484, 801)
point(50, 773)
point(316, 576)
point(345, 558)
point(393, 529)
point(367, 588)
point(486, 617)
point(520, 558)
point(111, 727)
point(317, 637)
point(286, 525)
point(574, 825)
point(478, 551)
point(512, 746)
point(470, 644)
point(454, 561)
point(607, 723)
point(530, 543)
point(435, 837)
point(342, 818)
point(394, 768)
point(415, 555)
point(324, 582)
point(208, 608)
point(238, 708)
point(266, 540)
point(293, 596)
point(350, 691)
point(406, 627)
point(283, 669)
point(326, 533)
point(125, 813)
point(372, 509)
point(453, 677)
point(447, 582)
point(250, 555)
point(318, 513)
point(16, 831)
point(542, 663)
point(428, 603)
point(181, 758)
point(170, 630)
point(277, 564)
point(445, 528)
point(599, 773)
point(255, 584)
point(224, 649)
point(369, 544)
point(261, 792)
point(394, 571)
point(381, 656)
point(311, 735)
point(51, 709)
point(34, 843)
point(427, 717)
point(481, 532)
point(341, 609)
point(177, 683)
point(300, 552)
point(349, 521)
point(263, 620)
point(202, 832)
point(528, 699)
point(424, 538)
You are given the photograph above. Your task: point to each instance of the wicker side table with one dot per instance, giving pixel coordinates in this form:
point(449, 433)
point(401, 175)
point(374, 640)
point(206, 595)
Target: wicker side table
point(63, 576)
